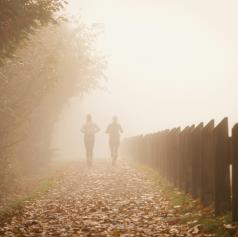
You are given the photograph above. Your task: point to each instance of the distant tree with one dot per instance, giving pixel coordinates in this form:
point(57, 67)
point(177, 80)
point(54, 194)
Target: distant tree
point(35, 85)
point(42, 65)
point(20, 18)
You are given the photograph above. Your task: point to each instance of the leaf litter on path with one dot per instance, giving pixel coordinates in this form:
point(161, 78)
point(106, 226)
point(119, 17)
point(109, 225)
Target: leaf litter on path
point(104, 201)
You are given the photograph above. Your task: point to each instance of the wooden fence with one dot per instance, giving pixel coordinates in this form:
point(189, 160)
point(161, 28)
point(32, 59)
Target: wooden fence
point(197, 160)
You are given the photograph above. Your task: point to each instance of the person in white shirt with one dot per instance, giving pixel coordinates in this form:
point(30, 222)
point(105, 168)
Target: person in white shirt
point(89, 129)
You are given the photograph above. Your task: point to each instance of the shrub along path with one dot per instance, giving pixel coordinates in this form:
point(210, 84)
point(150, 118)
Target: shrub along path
point(104, 201)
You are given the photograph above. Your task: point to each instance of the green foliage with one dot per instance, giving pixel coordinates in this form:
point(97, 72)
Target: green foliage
point(21, 18)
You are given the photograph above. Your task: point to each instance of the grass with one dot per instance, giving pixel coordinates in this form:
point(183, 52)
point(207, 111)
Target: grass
point(191, 211)
point(16, 205)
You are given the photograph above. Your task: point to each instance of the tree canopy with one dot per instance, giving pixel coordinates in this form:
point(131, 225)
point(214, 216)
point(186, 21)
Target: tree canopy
point(20, 18)
point(42, 65)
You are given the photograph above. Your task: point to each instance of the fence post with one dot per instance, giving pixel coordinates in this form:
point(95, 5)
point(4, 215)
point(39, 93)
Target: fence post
point(196, 160)
point(162, 152)
point(169, 155)
point(222, 169)
point(208, 165)
point(188, 160)
point(158, 151)
point(155, 151)
point(147, 149)
point(235, 173)
point(151, 139)
point(166, 153)
point(171, 148)
point(140, 149)
point(175, 154)
point(182, 155)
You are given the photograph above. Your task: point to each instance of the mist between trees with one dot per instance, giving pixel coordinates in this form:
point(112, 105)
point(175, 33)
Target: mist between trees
point(38, 75)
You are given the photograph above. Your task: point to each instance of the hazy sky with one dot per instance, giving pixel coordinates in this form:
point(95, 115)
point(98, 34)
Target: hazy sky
point(170, 63)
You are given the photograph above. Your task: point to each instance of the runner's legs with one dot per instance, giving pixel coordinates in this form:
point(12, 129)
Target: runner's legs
point(89, 145)
point(114, 145)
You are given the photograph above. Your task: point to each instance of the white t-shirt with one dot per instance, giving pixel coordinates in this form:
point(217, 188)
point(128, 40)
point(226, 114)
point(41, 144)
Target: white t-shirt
point(89, 129)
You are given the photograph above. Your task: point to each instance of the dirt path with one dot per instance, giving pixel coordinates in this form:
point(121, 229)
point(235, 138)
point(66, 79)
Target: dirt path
point(104, 201)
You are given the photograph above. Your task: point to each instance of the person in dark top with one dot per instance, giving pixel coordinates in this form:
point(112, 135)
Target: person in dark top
point(114, 130)
point(89, 129)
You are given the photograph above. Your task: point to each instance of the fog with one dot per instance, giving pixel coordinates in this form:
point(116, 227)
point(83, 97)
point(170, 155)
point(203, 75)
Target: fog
point(170, 63)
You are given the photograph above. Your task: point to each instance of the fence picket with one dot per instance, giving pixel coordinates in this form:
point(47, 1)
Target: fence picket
point(196, 160)
point(235, 173)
